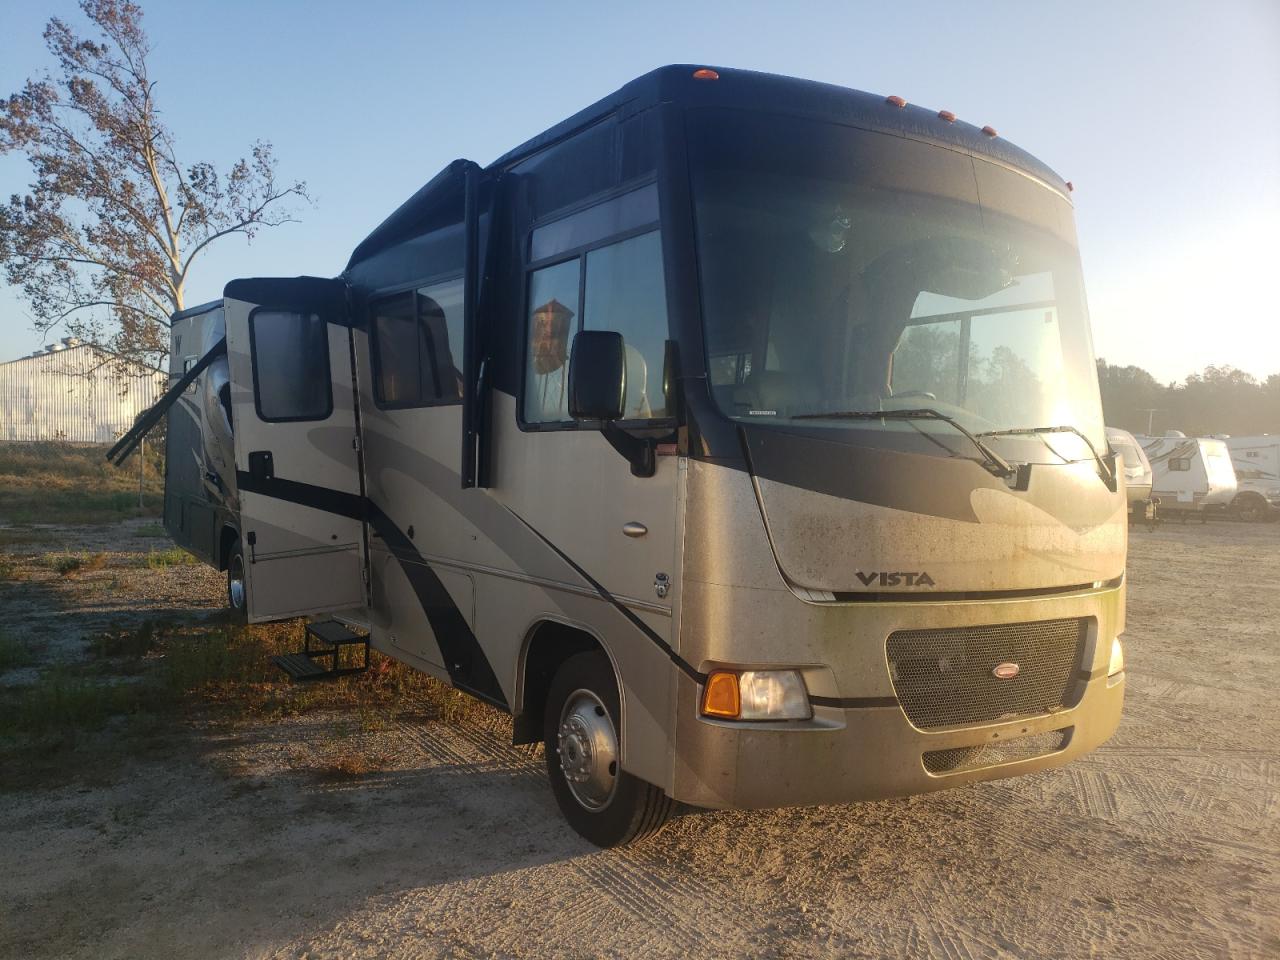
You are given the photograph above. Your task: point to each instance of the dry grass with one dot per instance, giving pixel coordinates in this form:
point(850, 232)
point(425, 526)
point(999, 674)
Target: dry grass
point(138, 681)
point(74, 483)
point(75, 563)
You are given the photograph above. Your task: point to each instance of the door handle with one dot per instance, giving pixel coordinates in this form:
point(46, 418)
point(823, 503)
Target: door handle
point(634, 528)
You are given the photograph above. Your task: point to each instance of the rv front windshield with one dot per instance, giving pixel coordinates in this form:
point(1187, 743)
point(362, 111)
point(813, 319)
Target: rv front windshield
point(846, 272)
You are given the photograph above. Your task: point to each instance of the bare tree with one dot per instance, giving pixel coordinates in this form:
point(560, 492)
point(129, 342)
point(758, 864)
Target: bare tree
point(105, 240)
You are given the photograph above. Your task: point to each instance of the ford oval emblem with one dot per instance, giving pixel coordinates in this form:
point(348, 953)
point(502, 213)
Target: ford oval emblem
point(1005, 671)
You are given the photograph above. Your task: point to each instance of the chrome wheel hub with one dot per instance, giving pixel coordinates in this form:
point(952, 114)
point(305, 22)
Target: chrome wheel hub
point(587, 747)
point(235, 583)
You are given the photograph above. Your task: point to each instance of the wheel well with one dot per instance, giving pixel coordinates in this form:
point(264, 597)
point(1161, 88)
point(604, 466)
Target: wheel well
point(229, 536)
point(550, 644)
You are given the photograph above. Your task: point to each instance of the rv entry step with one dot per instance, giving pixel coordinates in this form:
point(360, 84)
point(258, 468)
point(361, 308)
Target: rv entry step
point(321, 655)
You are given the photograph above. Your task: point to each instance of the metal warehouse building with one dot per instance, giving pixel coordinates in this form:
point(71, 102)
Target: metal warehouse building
point(74, 391)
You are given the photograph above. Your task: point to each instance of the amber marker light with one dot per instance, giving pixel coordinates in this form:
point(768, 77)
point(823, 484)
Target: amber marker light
point(705, 74)
point(989, 130)
point(720, 698)
point(895, 101)
point(947, 115)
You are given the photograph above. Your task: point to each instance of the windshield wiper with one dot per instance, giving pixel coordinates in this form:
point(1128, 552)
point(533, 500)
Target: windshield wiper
point(1108, 476)
point(995, 463)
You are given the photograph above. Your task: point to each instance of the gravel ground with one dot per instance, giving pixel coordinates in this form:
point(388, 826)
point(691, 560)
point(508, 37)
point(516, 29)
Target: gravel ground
point(1163, 843)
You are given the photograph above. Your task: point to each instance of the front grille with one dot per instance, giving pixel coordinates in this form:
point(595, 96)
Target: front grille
point(944, 678)
point(959, 759)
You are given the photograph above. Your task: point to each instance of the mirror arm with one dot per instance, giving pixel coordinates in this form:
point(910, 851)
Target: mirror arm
point(640, 453)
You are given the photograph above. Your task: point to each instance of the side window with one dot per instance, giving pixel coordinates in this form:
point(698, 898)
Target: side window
point(552, 322)
point(626, 292)
point(1179, 464)
point(290, 366)
point(609, 284)
point(417, 347)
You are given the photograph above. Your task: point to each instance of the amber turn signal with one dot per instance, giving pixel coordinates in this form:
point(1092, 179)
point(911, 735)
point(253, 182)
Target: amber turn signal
point(721, 698)
point(705, 74)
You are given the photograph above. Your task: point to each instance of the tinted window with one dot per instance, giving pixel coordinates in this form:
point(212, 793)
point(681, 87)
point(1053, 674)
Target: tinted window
point(552, 322)
point(290, 366)
point(417, 346)
point(1180, 464)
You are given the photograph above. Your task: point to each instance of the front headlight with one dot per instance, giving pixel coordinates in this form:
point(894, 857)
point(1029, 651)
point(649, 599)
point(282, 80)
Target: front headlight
point(756, 695)
point(1117, 658)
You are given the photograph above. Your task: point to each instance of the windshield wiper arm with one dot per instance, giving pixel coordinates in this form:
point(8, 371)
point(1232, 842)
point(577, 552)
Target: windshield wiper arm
point(1107, 474)
point(995, 463)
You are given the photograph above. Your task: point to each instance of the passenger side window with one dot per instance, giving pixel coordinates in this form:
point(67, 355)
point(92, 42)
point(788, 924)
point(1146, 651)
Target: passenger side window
point(626, 292)
point(608, 284)
point(553, 320)
point(417, 347)
point(290, 366)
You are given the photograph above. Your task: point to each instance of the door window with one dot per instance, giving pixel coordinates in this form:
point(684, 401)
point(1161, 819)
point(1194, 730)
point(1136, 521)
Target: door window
point(290, 366)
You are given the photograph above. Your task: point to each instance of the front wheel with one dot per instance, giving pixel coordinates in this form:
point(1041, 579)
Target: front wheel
point(237, 596)
point(604, 803)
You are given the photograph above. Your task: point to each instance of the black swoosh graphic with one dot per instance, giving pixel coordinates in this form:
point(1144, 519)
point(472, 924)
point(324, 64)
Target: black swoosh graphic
point(469, 669)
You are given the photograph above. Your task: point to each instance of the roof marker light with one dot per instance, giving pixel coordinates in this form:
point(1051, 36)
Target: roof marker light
point(947, 115)
point(989, 130)
point(895, 101)
point(1070, 187)
point(706, 73)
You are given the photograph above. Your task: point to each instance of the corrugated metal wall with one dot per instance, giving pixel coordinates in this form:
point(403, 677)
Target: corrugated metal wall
point(72, 395)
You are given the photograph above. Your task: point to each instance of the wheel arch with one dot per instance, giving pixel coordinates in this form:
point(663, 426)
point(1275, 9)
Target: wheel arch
point(226, 539)
point(547, 644)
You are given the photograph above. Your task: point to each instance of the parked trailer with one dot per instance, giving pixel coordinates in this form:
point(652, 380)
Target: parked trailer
point(1189, 475)
point(1143, 508)
point(739, 435)
point(1257, 466)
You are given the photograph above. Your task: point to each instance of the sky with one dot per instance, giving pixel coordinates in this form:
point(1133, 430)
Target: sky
point(1164, 115)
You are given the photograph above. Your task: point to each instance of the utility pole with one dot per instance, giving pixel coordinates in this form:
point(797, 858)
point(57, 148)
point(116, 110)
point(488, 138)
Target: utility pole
point(1151, 415)
point(142, 466)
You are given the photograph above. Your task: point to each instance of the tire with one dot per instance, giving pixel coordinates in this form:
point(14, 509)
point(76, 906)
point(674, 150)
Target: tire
point(237, 587)
point(1250, 508)
point(603, 803)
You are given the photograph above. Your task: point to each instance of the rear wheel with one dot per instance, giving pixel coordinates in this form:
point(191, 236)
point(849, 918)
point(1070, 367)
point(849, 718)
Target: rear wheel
point(604, 803)
point(237, 597)
point(1249, 507)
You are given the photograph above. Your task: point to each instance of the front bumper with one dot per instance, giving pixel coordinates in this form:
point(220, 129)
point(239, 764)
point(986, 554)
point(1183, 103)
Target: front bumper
point(870, 753)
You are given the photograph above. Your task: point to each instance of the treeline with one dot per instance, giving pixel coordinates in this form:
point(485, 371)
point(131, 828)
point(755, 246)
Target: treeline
point(1218, 400)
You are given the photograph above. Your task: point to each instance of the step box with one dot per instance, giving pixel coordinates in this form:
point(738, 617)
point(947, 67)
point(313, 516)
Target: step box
point(321, 656)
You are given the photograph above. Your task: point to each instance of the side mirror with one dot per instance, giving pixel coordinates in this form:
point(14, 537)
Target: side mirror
point(597, 376)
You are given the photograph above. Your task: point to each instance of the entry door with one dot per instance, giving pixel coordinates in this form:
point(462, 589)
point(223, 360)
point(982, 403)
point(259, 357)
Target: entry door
point(298, 470)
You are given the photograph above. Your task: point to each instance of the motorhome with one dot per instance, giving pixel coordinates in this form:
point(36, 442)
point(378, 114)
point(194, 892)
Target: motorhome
point(1137, 476)
point(739, 435)
point(1192, 476)
point(1257, 465)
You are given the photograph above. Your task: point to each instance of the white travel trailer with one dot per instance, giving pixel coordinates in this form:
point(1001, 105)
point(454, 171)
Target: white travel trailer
point(1257, 465)
point(1189, 475)
point(739, 435)
point(1137, 476)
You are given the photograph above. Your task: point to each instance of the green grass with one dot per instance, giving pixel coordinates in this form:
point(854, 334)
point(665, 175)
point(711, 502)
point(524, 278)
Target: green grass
point(14, 654)
point(60, 700)
point(173, 557)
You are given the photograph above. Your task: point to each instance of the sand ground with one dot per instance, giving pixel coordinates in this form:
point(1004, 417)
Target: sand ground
point(1163, 843)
